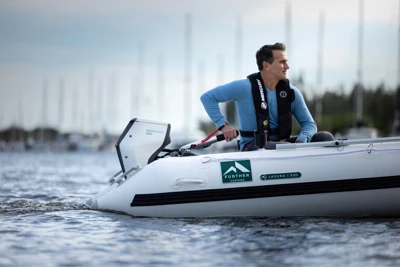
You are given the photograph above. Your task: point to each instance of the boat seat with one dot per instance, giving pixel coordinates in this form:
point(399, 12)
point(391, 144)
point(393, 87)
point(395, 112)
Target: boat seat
point(322, 136)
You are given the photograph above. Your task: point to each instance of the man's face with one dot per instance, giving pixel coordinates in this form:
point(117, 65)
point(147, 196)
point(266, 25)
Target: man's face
point(278, 68)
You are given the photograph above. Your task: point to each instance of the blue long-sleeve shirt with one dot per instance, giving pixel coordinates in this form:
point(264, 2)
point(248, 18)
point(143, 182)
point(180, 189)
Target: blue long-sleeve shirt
point(241, 92)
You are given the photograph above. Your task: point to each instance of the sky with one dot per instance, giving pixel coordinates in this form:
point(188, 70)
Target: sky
point(92, 65)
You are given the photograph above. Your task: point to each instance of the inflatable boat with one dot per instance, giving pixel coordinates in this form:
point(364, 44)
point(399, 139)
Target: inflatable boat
point(346, 178)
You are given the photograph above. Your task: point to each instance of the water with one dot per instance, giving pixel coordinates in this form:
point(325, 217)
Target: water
point(44, 222)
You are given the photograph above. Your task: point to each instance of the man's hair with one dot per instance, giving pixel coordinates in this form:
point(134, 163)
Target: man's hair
point(265, 53)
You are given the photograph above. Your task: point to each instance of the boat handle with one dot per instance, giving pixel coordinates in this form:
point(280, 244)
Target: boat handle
point(117, 179)
point(188, 180)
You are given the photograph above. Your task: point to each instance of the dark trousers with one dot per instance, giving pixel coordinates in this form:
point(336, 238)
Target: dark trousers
point(317, 137)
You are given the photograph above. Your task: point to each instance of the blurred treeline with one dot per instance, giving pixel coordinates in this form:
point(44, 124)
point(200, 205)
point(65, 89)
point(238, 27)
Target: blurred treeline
point(15, 133)
point(339, 110)
point(380, 106)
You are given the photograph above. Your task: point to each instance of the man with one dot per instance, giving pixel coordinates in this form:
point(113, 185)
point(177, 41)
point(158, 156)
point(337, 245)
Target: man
point(265, 103)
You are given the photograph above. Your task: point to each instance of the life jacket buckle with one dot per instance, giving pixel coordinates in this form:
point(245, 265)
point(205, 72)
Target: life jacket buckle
point(261, 139)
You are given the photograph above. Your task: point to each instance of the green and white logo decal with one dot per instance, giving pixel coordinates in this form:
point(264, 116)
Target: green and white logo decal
point(280, 175)
point(236, 171)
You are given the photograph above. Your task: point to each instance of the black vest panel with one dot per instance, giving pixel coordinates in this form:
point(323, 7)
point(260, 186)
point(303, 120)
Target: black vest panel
point(285, 96)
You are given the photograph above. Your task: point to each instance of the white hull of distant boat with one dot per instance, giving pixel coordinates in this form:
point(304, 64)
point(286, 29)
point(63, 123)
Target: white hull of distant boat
point(336, 178)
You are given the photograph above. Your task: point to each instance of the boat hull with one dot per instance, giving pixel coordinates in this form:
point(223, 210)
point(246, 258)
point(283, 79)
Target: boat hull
point(352, 181)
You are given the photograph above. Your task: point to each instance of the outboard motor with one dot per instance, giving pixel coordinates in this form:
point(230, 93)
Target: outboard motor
point(139, 145)
point(141, 142)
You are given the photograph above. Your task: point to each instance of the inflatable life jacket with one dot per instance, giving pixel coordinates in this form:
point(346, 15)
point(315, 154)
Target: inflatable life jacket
point(285, 96)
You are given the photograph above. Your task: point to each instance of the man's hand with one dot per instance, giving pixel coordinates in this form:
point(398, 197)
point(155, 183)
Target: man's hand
point(229, 132)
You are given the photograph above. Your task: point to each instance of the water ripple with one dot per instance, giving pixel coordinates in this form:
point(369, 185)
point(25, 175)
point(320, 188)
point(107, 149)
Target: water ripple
point(44, 222)
point(24, 207)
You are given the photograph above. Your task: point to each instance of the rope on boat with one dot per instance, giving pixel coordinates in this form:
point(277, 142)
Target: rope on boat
point(338, 143)
point(369, 150)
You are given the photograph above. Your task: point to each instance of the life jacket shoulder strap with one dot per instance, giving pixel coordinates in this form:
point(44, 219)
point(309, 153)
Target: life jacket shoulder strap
point(285, 96)
point(260, 102)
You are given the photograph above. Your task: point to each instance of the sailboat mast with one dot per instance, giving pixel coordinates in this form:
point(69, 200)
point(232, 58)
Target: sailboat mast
point(61, 104)
point(44, 113)
point(239, 47)
point(396, 125)
point(398, 51)
point(359, 103)
point(139, 78)
point(161, 86)
point(288, 26)
point(188, 72)
point(231, 105)
point(320, 57)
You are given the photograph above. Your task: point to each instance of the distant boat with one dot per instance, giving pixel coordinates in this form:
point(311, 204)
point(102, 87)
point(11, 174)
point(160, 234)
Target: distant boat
point(80, 142)
point(361, 132)
point(3, 145)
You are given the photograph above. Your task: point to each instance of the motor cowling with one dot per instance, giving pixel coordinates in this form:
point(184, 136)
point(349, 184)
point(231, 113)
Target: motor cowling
point(141, 142)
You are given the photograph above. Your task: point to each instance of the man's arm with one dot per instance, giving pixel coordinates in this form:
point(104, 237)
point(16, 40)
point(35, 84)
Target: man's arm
point(303, 117)
point(223, 93)
point(220, 94)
